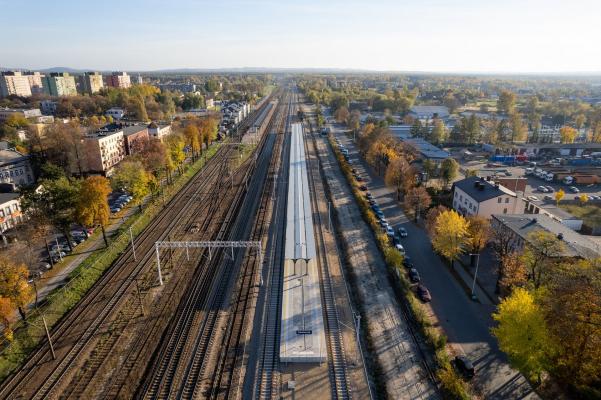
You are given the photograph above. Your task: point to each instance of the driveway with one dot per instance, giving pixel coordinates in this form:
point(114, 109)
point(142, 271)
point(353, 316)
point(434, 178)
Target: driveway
point(466, 323)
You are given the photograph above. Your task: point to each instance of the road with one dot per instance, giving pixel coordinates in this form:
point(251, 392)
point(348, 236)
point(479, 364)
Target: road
point(466, 323)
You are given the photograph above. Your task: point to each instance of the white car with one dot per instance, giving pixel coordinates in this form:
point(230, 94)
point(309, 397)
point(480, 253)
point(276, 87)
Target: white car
point(532, 198)
point(400, 248)
point(389, 231)
point(402, 232)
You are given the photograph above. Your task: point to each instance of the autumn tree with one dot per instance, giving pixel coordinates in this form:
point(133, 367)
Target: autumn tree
point(451, 235)
point(559, 196)
point(192, 135)
point(92, 206)
point(506, 102)
point(341, 114)
point(479, 233)
point(429, 167)
point(209, 127)
point(512, 273)
point(175, 149)
point(449, 169)
point(540, 254)
point(438, 134)
point(400, 175)
point(131, 176)
point(417, 200)
point(522, 333)
point(15, 292)
point(583, 198)
point(568, 134)
point(431, 217)
point(519, 131)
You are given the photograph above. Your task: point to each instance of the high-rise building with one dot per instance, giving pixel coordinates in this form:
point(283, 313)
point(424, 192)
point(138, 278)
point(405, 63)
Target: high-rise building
point(35, 82)
point(119, 80)
point(91, 82)
point(140, 80)
point(14, 83)
point(60, 84)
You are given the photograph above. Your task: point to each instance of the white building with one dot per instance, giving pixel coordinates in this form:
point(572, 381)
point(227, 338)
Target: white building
point(14, 83)
point(158, 131)
point(477, 196)
point(115, 113)
point(429, 112)
point(6, 113)
point(104, 150)
point(15, 167)
point(10, 211)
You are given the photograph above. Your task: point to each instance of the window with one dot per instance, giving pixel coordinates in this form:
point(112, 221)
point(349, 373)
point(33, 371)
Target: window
point(504, 211)
point(507, 200)
point(500, 199)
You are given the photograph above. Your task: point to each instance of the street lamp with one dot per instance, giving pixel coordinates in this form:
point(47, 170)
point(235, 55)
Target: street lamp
point(474, 297)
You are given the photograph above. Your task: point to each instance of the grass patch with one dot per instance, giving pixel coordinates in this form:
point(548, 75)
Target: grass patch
point(451, 384)
point(590, 214)
point(29, 334)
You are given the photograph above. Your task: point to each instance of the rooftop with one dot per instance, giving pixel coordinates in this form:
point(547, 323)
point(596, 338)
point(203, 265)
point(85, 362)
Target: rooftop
point(577, 245)
point(6, 197)
point(426, 148)
point(9, 156)
point(133, 129)
point(481, 190)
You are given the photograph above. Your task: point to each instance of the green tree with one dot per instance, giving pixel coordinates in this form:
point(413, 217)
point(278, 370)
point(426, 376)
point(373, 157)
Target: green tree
point(451, 235)
point(131, 176)
point(506, 102)
point(540, 254)
point(449, 169)
point(417, 128)
point(92, 203)
point(438, 134)
point(522, 333)
point(519, 131)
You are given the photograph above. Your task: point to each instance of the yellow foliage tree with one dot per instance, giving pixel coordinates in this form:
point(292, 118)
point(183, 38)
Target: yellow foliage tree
point(451, 235)
point(583, 198)
point(559, 196)
point(192, 135)
point(15, 292)
point(522, 333)
point(568, 134)
point(92, 205)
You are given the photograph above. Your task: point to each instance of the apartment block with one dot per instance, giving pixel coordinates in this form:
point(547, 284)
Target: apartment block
point(119, 80)
point(35, 82)
point(60, 84)
point(15, 167)
point(91, 82)
point(14, 83)
point(104, 149)
point(10, 211)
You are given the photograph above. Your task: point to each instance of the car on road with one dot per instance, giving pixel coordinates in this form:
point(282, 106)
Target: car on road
point(407, 262)
point(402, 232)
point(115, 209)
point(359, 178)
point(423, 293)
point(550, 189)
point(380, 215)
point(464, 366)
point(400, 248)
point(363, 188)
point(542, 189)
point(368, 195)
point(414, 275)
point(383, 222)
point(574, 189)
point(390, 231)
point(548, 198)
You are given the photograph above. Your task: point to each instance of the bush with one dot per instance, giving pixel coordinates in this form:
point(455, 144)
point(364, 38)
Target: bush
point(451, 384)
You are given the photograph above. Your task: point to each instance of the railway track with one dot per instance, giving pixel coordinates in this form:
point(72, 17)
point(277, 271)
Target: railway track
point(183, 360)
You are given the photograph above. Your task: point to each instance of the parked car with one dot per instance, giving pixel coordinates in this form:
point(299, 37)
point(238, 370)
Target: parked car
point(465, 366)
point(380, 215)
point(542, 189)
point(532, 198)
point(358, 178)
point(368, 195)
point(574, 189)
point(372, 201)
point(363, 187)
point(550, 189)
point(407, 262)
point(390, 231)
point(400, 248)
point(396, 240)
point(402, 232)
point(115, 209)
point(423, 293)
point(414, 275)
point(383, 222)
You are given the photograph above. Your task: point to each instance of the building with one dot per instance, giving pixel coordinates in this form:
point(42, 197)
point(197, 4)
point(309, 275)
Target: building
point(36, 83)
point(60, 84)
point(478, 196)
point(104, 149)
point(135, 136)
point(178, 87)
point(48, 107)
point(426, 149)
point(14, 83)
point(429, 112)
point(15, 167)
point(139, 80)
point(517, 227)
point(91, 82)
point(6, 113)
point(119, 80)
point(550, 209)
point(115, 113)
point(10, 211)
point(158, 131)
point(209, 103)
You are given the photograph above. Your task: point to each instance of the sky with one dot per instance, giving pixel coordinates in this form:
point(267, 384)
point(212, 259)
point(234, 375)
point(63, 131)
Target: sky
point(487, 36)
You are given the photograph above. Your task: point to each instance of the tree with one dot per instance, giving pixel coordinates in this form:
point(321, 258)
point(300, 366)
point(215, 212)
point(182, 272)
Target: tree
point(175, 150)
point(15, 292)
point(522, 333)
point(341, 114)
point(541, 252)
point(438, 133)
point(417, 200)
point(479, 233)
point(417, 128)
point(451, 235)
point(92, 206)
point(512, 273)
point(449, 170)
point(583, 198)
point(559, 196)
point(472, 129)
point(597, 133)
point(506, 102)
point(354, 120)
point(568, 134)
point(192, 135)
point(519, 131)
point(400, 175)
point(131, 176)
point(431, 216)
point(429, 167)
point(209, 127)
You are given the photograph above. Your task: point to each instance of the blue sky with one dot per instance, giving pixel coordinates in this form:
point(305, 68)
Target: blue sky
point(419, 35)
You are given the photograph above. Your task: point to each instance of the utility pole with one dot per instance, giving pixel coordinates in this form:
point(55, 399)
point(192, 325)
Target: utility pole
point(139, 297)
point(35, 287)
point(474, 297)
point(133, 248)
point(49, 255)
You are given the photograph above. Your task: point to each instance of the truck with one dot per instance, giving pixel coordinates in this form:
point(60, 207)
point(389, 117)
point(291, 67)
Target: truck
point(581, 179)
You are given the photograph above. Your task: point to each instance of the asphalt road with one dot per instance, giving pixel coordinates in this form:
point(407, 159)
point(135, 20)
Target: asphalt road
point(466, 323)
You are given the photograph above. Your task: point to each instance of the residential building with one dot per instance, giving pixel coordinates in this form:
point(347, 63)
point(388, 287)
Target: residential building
point(429, 112)
point(35, 82)
point(104, 149)
point(517, 228)
point(135, 136)
point(158, 131)
point(10, 211)
point(478, 196)
point(60, 84)
point(14, 83)
point(178, 87)
point(15, 167)
point(6, 113)
point(118, 80)
point(426, 149)
point(115, 113)
point(48, 107)
point(91, 82)
point(139, 80)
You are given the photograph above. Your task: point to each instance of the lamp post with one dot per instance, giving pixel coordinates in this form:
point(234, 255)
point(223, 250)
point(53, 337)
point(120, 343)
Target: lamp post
point(474, 297)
